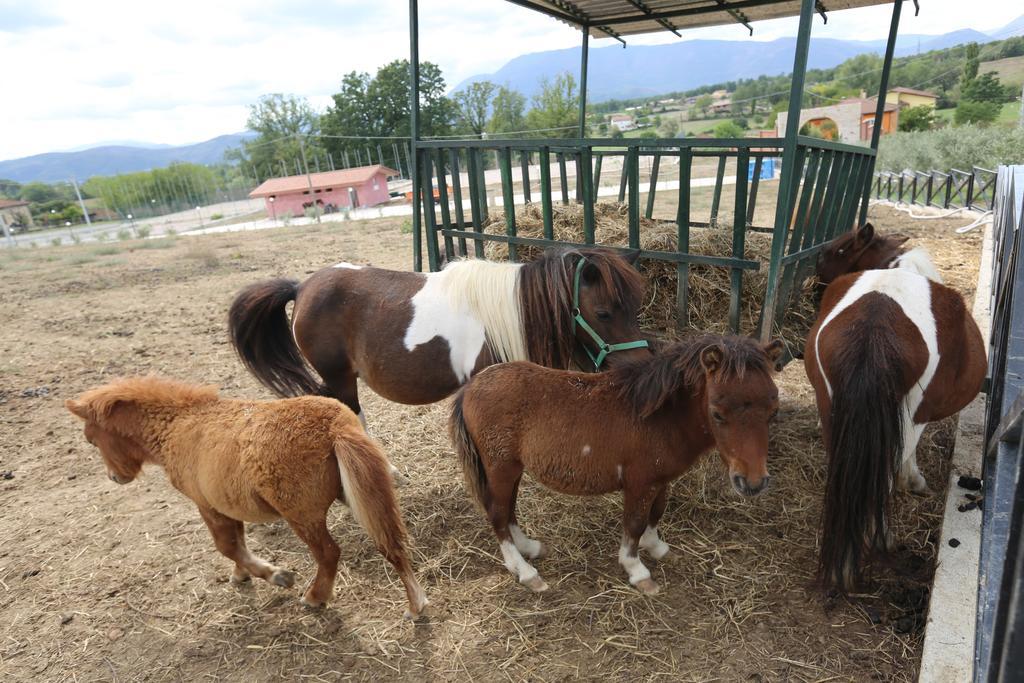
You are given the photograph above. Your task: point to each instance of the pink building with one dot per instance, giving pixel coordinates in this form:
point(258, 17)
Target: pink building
point(332, 190)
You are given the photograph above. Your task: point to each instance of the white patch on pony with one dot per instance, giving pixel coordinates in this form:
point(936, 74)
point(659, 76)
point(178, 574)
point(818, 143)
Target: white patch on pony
point(586, 449)
point(632, 564)
point(618, 469)
point(514, 562)
point(468, 304)
point(912, 293)
point(917, 261)
point(349, 266)
point(524, 543)
point(654, 546)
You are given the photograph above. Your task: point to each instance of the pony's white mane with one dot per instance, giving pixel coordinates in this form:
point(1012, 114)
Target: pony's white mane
point(490, 292)
point(918, 261)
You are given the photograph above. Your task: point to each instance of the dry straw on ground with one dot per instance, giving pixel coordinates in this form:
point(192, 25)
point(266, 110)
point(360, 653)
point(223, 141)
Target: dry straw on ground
point(710, 286)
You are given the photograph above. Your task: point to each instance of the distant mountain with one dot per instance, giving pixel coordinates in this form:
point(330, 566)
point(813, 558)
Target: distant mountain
point(1014, 28)
point(112, 159)
point(645, 70)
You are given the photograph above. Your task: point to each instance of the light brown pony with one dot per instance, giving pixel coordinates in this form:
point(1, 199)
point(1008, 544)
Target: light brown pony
point(247, 461)
point(891, 351)
point(635, 429)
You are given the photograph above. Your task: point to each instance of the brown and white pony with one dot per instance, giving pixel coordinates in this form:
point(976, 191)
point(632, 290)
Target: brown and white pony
point(633, 429)
point(246, 461)
point(892, 350)
point(416, 338)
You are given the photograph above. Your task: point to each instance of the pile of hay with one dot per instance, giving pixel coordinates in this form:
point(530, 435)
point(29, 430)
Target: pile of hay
point(709, 285)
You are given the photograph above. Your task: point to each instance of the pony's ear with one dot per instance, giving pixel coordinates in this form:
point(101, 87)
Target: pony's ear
point(774, 350)
point(711, 358)
point(590, 274)
point(632, 257)
point(78, 409)
point(898, 240)
point(866, 233)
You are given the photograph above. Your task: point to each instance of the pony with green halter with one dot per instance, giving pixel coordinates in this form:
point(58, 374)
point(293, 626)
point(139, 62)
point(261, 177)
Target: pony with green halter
point(604, 348)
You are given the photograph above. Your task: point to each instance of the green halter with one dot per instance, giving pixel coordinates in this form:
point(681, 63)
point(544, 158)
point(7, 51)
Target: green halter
point(577, 319)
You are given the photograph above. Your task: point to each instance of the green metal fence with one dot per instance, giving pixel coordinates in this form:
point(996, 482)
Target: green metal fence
point(824, 200)
point(974, 189)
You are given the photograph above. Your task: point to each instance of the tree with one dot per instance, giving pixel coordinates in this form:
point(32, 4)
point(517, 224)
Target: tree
point(981, 113)
point(984, 88)
point(472, 105)
point(9, 188)
point(970, 65)
point(375, 109)
point(917, 118)
point(728, 129)
point(279, 122)
point(37, 192)
point(507, 111)
point(863, 72)
point(555, 109)
point(670, 128)
point(700, 107)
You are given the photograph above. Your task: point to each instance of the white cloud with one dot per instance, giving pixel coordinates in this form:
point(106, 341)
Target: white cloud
point(185, 71)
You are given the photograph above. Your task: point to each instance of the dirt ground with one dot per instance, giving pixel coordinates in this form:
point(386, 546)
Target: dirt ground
point(107, 582)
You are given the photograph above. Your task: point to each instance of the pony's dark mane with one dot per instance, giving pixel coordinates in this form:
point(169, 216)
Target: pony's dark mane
point(545, 295)
point(646, 385)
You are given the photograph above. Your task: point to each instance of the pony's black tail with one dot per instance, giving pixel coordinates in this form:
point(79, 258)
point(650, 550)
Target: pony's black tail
point(263, 338)
point(472, 466)
point(865, 445)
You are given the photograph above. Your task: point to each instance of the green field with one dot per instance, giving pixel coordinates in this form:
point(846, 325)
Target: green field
point(1009, 115)
point(1009, 70)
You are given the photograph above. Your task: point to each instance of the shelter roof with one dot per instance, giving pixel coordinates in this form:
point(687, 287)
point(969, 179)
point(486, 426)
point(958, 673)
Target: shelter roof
point(348, 177)
point(630, 17)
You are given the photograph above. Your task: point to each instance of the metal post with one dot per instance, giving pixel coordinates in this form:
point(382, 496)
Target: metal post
point(85, 211)
point(583, 83)
point(790, 174)
point(7, 231)
point(890, 49)
point(309, 178)
point(414, 132)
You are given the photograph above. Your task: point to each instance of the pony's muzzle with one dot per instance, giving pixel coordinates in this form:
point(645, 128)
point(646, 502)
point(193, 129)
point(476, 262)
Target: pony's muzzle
point(118, 479)
point(745, 488)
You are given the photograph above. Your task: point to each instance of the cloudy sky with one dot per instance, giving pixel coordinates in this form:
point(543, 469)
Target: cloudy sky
point(79, 73)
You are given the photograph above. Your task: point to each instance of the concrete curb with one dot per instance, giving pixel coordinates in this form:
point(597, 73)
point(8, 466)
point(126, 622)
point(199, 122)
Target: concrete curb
point(948, 655)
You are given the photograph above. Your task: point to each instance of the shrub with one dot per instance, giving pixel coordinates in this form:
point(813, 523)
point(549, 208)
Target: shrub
point(649, 134)
point(170, 232)
point(216, 216)
point(406, 227)
point(103, 237)
point(981, 113)
point(143, 231)
point(728, 129)
point(76, 238)
point(917, 118)
point(310, 212)
point(961, 147)
point(55, 241)
point(106, 251)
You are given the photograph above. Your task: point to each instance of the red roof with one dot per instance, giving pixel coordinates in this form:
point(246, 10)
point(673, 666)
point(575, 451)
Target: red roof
point(11, 203)
point(868, 105)
point(349, 177)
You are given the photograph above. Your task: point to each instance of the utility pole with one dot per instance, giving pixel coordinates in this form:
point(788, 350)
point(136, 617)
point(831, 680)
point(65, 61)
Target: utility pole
point(1021, 122)
point(309, 178)
point(7, 231)
point(85, 211)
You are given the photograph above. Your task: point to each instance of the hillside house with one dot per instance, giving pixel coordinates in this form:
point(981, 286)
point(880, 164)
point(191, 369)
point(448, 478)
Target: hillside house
point(15, 213)
point(331, 190)
point(908, 97)
point(622, 122)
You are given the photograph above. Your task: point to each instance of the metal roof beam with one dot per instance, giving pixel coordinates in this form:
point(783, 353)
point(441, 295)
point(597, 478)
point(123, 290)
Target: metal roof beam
point(737, 15)
point(543, 9)
point(647, 10)
point(739, 5)
point(821, 10)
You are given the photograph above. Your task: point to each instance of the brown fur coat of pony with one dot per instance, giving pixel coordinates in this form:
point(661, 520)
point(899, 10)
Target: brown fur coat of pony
point(248, 461)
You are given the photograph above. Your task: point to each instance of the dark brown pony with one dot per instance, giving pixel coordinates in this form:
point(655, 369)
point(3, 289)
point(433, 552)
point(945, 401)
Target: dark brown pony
point(891, 351)
point(416, 338)
point(634, 429)
point(860, 249)
point(247, 461)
